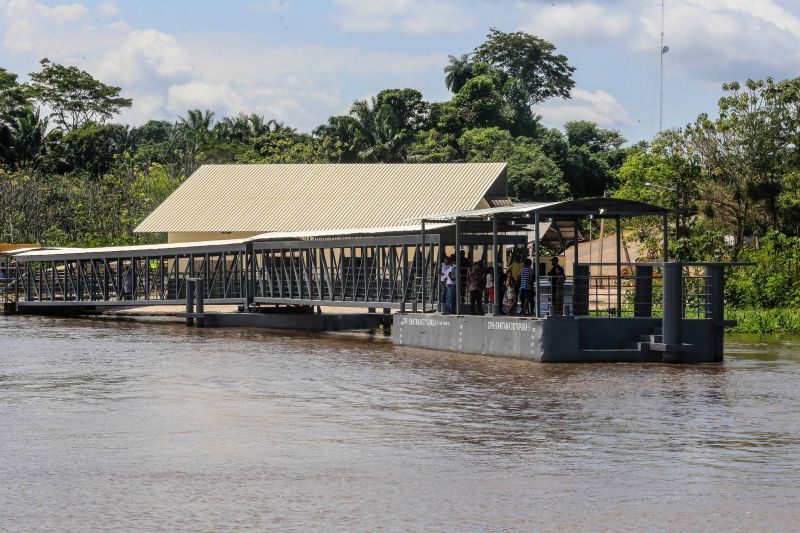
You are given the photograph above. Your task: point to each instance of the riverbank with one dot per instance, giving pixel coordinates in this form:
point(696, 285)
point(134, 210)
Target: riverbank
point(752, 320)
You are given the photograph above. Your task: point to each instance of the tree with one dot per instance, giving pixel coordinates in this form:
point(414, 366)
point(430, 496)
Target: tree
point(24, 143)
point(74, 96)
point(532, 176)
point(457, 72)
point(531, 60)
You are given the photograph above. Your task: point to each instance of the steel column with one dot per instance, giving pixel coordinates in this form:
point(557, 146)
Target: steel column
point(619, 266)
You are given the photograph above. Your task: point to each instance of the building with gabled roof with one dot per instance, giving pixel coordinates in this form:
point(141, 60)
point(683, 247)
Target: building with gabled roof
point(238, 201)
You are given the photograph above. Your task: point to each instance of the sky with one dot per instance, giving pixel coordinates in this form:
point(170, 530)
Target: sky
point(300, 61)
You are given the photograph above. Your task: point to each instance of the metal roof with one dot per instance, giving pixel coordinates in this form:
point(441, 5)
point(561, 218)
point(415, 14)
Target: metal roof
point(595, 206)
point(311, 197)
point(350, 232)
point(129, 251)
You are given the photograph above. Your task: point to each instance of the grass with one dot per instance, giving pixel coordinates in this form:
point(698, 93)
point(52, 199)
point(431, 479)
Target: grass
point(753, 320)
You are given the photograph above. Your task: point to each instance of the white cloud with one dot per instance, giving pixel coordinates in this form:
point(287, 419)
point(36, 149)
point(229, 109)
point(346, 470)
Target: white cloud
point(406, 16)
point(143, 54)
point(709, 40)
point(108, 9)
point(582, 21)
point(204, 95)
point(598, 106)
point(29, 23)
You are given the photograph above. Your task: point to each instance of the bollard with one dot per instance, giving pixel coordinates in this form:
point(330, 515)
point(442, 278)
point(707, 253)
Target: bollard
point(643, 292)
point(673, 309)
point(580, 290)
point(715, 306)
point(189, 301)
point(199, 290)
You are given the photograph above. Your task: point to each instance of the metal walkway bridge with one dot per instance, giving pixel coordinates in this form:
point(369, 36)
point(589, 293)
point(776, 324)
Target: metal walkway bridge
point(369, 268)
point(386, 271)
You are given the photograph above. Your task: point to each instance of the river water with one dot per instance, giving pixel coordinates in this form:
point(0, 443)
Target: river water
point(129, 426)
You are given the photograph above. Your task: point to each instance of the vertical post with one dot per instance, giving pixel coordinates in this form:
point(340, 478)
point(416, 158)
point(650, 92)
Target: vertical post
point(16, 284)
point(665, 227)
point(458, 267)
point(200, 294)
point(673, 309)
point(619, 265)
point(404, 275)
point(715, 306)
point(495, 310)
point(643, 292)
point(575, 246)
point(580, 290)
point(251, 272)
point(424, 262)
point(189, 301)
point(537, 257)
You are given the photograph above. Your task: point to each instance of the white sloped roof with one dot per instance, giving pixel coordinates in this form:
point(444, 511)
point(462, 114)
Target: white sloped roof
point(316, 197)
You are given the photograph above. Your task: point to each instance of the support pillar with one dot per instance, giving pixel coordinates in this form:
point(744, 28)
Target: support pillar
point(424, 264)
point(200, 294)
point(189, 301)
point(643, 294)
point(619, 266)
point(495, 308)
point(671, 323)
point(580, 290)
point(458, 267)
point(537, 300)
point(715, 306)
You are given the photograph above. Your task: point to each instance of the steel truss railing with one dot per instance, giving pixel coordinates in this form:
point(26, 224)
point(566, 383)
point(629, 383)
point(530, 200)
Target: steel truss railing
point(372, 272)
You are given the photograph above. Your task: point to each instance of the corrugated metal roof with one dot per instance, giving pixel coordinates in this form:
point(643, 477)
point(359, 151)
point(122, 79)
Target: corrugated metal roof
point(309, 197)
point(350, 232)
point(126, 251)
point(487, 212)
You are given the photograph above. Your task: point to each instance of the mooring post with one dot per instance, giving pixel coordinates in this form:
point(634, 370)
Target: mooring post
point(643, 292)
point(189, 301)
point(673, 309)
point(715, 306)
point(199, 291)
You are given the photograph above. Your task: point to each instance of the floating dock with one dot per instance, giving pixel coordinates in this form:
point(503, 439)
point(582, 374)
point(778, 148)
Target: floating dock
point(661, 311)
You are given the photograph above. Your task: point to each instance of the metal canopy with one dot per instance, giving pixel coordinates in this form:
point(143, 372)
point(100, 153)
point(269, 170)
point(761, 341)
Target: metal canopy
point(596, 207)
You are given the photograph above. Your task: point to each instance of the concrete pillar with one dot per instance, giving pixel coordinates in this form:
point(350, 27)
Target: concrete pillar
point(200, 294)
point(580, 289)
point(715, 305)
point(673, 309)
point(643, 295)
point(189, 301)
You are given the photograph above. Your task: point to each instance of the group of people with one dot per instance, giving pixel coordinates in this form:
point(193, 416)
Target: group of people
point(516, 285)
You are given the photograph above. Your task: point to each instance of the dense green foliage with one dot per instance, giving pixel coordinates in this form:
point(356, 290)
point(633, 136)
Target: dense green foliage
point(72, 177)
point(757, 320)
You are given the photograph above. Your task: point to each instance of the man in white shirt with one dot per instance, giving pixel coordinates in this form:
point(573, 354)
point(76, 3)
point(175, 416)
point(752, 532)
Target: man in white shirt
point(448, 277)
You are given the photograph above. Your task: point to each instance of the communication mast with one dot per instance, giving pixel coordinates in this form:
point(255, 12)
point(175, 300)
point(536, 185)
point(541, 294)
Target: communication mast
point(663, 50)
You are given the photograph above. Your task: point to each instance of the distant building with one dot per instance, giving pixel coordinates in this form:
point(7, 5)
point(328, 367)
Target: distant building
point(239, 201)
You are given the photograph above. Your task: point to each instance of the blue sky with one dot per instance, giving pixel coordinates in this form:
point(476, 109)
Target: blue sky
point(301, 61)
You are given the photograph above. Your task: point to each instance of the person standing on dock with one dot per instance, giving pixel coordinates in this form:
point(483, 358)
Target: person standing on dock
point(526, 287)
point(475, 283)
point(557, 279)
point(450, 285)
point(443, 280)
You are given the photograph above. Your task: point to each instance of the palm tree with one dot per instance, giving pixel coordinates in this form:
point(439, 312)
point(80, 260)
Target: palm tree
point(457, 72)
point(378, 133)
point(26, 136)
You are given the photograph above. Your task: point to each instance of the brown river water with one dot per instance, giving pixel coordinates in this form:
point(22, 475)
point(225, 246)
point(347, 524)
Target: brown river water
point(121, 426)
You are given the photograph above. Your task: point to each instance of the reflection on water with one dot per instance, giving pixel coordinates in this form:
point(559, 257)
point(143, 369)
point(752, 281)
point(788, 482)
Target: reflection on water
point(110, 425)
